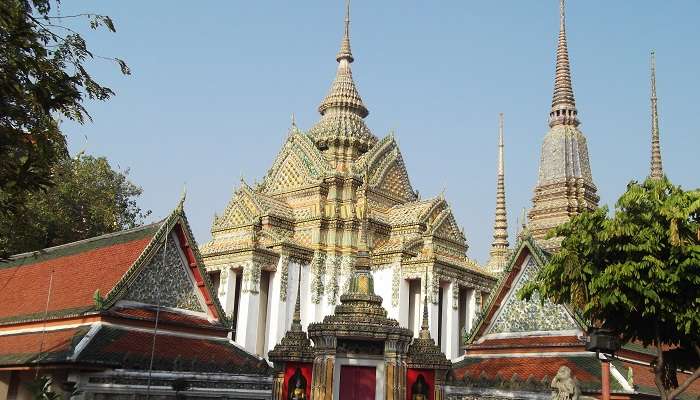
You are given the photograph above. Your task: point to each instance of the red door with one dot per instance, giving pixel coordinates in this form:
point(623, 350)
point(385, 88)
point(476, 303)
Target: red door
point(357, 383)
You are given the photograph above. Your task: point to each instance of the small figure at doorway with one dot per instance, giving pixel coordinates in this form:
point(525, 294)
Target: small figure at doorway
point(420, 389)
point(297, 386)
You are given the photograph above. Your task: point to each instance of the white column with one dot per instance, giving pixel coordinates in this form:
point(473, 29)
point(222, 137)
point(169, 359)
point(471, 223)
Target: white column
point(249, 308)
point(471, 308)
point(277, 305)
point(433, 309)
point(450, 331)
point(404, 303)
point(227, 289)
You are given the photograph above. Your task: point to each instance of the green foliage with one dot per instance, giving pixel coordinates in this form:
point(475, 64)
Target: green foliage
point(88, 199)
point(637, 272)
point(43, 78)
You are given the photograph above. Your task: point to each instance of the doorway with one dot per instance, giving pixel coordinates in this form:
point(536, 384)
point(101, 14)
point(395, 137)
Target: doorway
point(357, 383)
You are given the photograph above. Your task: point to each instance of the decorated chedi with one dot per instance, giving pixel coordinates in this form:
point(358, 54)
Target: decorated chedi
point(305, 215)
point(565, 185)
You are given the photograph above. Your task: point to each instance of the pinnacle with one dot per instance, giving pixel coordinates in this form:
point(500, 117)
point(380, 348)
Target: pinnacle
point(656, 168)
point(563, 103)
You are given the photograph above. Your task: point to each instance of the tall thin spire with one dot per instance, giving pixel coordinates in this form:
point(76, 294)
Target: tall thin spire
point(296, 318)
point(656, 170)
point(499, 246)
point(425, 326)
point(563, 103)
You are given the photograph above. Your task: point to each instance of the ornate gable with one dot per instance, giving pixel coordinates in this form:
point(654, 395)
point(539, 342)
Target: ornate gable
point(241, 210)
point(505, 314)
point(386, 168)
point(298, 164)
point(166, 279)
point(445, 226)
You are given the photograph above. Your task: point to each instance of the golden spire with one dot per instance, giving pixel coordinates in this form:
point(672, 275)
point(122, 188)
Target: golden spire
point(499, 246)
point(656, 170)
point(425, 326)
point(296, 319)
point(563, 104)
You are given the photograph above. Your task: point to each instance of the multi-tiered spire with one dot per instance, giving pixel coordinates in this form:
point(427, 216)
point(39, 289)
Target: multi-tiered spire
point(563, 103)
point(499, 246)
point(565, 186)
point(656, 170)
point(342, 128)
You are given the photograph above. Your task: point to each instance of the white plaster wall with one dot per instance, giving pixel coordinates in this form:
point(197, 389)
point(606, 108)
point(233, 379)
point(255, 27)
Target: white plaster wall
point(382, 287)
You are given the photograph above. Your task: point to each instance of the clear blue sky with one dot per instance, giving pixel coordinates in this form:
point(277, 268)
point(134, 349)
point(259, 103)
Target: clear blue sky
point(214, 85)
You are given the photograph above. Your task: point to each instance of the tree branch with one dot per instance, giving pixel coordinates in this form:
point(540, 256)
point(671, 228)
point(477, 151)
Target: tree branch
point(659, 367)
point(681, 388)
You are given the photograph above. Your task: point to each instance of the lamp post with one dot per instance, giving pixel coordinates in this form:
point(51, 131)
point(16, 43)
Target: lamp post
point(605, 341)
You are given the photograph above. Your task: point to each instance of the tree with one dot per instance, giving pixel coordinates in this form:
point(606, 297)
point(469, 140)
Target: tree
point(88, 199)
point(636, 272)
point(42, 78)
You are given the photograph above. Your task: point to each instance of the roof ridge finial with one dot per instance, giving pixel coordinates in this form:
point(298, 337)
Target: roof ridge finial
point(563, 103)
point(499, 246)
point(656, 169)
point(345, 51)
point(425, 325)
point(296, 319)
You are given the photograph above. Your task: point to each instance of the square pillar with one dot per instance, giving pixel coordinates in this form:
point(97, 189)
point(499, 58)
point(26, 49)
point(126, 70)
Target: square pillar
point(227, 289)
point(451, 333)
point(277, 304)
point(249, 308)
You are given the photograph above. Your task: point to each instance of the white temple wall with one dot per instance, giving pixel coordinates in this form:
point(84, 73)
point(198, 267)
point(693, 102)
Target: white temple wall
point(383, 287)
point(247, 324)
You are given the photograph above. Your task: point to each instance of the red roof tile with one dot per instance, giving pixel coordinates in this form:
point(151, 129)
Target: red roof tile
point(73, 271)
point(164, 316)
point(124, 348)
point(583, 368)
point(49, 346)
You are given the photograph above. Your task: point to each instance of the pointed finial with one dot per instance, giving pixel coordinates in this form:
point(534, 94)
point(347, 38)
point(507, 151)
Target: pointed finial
point(294, 121)
point(296, 319)
point(345, 52)
point(500, 144)
point(499, 246)
point(656, 170)
point(181, 203)
point(563, 103)
point(425, 326)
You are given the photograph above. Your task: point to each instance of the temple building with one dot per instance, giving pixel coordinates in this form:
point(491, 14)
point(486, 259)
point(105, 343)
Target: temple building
point(306, 215)
point(129, 314)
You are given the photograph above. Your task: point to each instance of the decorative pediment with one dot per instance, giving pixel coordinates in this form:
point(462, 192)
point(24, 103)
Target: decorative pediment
point(243, 209)
point(445, 226)
point(298, 164)
point(166, 280)
point(247, 206)
point(386, 169)
point(507, 315)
